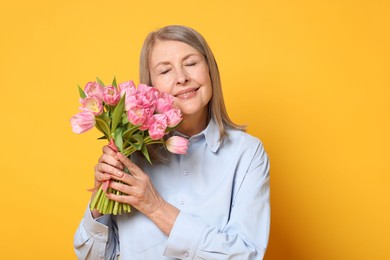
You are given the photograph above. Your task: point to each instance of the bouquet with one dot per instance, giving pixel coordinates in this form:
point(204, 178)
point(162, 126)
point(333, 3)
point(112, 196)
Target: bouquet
point(130, 118)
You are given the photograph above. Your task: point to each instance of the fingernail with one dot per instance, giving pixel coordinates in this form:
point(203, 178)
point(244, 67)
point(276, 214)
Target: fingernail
point(119, 173)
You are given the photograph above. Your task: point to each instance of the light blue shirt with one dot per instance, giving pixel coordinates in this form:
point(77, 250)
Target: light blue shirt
point(222, 191)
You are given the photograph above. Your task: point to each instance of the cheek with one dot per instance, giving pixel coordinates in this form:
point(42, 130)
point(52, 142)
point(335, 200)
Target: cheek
point(206, 82)
point(208, 90)
point(207, 94)
point(161, 84)
point(203, 76)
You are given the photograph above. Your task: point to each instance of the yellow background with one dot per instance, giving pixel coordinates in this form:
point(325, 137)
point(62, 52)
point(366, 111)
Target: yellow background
point(310, 78)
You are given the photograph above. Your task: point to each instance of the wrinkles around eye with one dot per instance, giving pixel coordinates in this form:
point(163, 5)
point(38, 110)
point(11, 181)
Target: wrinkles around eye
point(164, 71)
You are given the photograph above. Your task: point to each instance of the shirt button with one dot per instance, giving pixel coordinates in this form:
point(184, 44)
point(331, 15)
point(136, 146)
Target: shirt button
point(186, 172)
point(182, 202)
point(186, 254)
point(100, 234)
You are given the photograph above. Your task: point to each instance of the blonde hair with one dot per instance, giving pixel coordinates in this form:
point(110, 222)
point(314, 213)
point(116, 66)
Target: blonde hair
point(216, 106)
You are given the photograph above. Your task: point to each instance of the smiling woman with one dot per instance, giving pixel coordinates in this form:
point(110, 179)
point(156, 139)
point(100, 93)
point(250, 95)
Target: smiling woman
point(212, 203)
point(182, 71)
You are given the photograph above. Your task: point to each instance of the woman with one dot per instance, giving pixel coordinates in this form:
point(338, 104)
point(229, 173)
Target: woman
point(212, 203)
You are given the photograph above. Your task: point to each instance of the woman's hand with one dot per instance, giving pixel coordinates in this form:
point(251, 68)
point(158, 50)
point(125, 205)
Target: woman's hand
point(138, 190)
point(108, 166)
point(140, 193)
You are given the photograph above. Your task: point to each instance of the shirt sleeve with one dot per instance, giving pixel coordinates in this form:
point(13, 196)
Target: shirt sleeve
point(246, 234)
point(96, 238)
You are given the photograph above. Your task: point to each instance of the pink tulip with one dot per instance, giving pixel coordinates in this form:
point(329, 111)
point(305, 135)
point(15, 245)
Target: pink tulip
point(158, 127)
point(147, 123)
point(82, 122)
point(111, 96)
point(174, 117)
point(93, 89)
point(177, 144)
point(92, 104)
point(149, 118)
point(137, 115)
point(130, 102)
point(143, 88)
point(147, 96)
point(164, 103)
point(128, 88)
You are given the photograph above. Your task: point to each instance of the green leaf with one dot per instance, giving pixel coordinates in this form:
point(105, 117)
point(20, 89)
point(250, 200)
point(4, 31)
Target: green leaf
point(103, 127)
point(114, 83)
point(129, 132)
point(129, 150)
point(118, 138)
point(137, 140)
point(125, 120)
point(81, 92)
point(145, 152)
point(97, 125)
point(102, 137)
point(117, 114)
point(100, 82)
point(106, 117)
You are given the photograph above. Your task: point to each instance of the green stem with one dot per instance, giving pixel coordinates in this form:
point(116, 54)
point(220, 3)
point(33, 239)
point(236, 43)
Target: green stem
point(115, 210)
point(106, 201)
point(96, 199)
point(110, 206)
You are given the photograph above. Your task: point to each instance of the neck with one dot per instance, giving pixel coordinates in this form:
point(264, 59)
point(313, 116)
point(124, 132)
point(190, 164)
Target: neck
point(193, 124)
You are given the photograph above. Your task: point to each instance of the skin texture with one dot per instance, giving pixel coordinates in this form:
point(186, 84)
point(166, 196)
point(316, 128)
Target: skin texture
point(180, 70)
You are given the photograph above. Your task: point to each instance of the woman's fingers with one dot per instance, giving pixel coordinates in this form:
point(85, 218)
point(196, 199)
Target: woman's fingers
point(107, 169)
point(109, 157)
point(136, 188)
point(122, 187)
point(107, 149)
point(132, 167)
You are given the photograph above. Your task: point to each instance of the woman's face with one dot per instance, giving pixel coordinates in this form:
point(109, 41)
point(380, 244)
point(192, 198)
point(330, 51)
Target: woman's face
point(179, 69)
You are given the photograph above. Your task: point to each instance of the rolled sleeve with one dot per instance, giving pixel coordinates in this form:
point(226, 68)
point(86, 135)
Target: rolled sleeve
point(91, 237)
point(180, 244)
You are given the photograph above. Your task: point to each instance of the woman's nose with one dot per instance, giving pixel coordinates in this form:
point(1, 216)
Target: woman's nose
point(181, 77)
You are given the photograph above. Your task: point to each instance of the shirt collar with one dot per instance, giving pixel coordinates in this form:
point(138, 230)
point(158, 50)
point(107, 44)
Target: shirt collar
point(211, 135)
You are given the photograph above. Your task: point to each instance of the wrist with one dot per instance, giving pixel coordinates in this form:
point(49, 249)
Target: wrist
point(96, 214)
point(164, 217)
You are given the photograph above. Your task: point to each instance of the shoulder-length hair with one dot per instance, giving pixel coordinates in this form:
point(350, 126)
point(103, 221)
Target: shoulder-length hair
point(216, 106)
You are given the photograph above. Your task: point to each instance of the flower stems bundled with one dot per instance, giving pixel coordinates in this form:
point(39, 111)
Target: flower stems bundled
point(130, 118)
point(107, 206)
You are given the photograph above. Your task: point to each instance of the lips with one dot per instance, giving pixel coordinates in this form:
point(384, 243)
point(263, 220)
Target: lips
point(186, 93)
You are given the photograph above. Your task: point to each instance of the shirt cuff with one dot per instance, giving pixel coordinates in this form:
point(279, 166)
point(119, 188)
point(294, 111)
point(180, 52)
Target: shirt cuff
point(97, 228)
point(180, 244)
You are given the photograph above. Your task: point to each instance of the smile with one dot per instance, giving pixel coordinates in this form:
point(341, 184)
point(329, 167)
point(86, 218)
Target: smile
point(185, 94)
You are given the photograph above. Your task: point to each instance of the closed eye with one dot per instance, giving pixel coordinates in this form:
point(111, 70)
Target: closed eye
point(191, 64)
point(165, 71)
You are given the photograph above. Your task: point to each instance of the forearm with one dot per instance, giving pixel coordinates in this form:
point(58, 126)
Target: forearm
point(192, 238)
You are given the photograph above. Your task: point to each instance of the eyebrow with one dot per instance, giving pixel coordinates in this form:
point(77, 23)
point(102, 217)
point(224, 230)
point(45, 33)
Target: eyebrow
point(167, 62)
